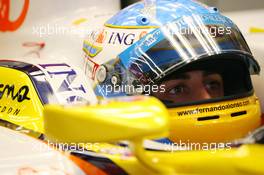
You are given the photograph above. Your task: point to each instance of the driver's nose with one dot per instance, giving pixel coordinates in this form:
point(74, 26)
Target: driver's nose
point(201, 93)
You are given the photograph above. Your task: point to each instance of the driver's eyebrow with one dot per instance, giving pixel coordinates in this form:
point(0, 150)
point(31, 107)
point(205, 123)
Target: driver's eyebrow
point(183, 76)
point(207, 73)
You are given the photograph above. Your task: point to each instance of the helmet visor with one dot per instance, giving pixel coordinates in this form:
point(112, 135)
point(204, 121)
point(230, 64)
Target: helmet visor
point(163, 54)
point(180, 42)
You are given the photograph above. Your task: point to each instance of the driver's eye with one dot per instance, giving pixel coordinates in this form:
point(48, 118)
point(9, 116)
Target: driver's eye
point(179, 89)
point(213, 85)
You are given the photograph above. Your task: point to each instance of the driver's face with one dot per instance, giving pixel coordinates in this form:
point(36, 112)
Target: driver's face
point(192, 86)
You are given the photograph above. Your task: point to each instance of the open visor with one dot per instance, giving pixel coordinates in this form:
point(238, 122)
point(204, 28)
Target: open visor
point(182, 42)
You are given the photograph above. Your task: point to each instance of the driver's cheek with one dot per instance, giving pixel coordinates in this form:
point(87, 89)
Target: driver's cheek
point(216, 92)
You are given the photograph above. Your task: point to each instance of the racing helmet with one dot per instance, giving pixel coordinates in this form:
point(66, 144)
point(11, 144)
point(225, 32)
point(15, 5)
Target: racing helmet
point(150, 43)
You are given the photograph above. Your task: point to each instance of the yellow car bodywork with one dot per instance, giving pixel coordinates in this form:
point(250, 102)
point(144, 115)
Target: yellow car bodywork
point(20, 103)
point(90, 124)
point(134, 120)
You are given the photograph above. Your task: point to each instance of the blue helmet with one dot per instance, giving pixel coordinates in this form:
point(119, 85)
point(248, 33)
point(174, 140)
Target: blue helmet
point(153, 41)
point(173, 33)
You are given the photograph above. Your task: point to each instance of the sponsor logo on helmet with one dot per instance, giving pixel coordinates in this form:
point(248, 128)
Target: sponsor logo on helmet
point(91, 50)
point(101, 37)
point(122, 38)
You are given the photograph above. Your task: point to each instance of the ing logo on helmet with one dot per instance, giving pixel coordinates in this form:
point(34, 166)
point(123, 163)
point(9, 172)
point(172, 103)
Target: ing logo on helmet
point(5, 23)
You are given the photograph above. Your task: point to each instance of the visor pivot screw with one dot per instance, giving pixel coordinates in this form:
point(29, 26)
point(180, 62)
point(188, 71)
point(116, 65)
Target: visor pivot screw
point(214, 9)
point(142, 20)
point(115, 80)
point(101, 74)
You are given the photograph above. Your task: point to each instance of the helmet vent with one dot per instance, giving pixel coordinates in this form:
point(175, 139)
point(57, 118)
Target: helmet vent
point(214, 9)
point(208, 118)
point(142, 20)
point(236, 114)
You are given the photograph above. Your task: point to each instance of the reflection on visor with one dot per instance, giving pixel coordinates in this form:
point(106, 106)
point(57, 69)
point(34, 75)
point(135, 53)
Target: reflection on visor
point(168, 48)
